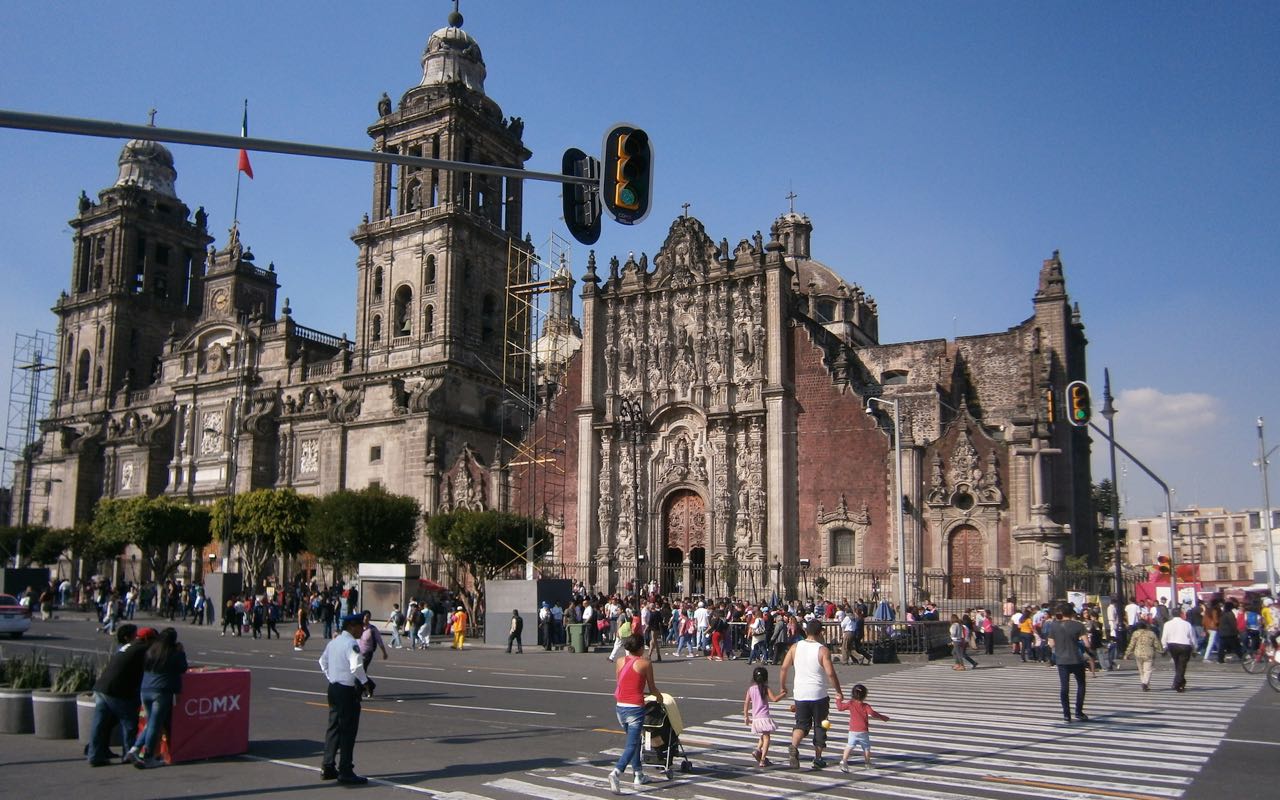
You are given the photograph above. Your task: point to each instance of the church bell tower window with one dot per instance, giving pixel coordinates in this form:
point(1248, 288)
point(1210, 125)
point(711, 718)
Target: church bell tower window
point(404, 311)
point(82, 372)
point(376, 334)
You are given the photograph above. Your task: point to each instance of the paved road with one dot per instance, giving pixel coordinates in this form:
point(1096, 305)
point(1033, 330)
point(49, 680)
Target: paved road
point(482, 724)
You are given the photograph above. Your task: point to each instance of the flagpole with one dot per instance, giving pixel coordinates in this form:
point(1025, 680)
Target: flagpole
point(244, 131)
point(235, 209)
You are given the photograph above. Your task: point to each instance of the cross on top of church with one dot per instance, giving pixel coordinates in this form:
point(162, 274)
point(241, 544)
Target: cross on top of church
point(151, 117)
point(685, 206)
point(791, 196)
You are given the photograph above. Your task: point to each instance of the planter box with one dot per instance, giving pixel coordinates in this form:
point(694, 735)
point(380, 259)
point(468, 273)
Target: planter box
point(54, 714)
point(16, 715)
point(84, 716)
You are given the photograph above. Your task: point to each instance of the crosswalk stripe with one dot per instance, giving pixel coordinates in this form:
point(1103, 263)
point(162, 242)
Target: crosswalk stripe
point(992, 734)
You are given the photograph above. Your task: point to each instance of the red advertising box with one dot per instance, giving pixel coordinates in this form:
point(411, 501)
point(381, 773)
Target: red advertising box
point(211, 715)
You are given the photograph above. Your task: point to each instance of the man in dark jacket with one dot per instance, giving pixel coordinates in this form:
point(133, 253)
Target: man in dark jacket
point(116, 695)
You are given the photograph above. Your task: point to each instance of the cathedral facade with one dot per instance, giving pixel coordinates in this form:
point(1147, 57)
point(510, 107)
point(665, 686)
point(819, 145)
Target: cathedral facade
point(711, 412)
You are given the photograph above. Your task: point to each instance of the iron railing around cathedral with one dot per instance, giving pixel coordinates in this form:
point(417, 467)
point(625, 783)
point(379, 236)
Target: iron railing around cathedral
point(772, 583)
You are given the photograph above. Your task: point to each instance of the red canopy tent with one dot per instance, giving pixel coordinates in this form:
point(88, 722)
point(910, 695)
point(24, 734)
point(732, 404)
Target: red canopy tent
point(428, 585)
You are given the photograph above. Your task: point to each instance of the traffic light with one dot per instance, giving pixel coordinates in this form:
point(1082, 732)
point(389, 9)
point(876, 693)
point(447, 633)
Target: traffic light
point(1163, 565)
point(1079, 407)
point(581, 202)
point(626, 182)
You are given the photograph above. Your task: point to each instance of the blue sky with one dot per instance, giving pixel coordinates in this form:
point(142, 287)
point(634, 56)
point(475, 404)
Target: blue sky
point(942, 150)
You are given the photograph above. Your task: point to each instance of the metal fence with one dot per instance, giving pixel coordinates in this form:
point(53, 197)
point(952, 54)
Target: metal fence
point(767, 583)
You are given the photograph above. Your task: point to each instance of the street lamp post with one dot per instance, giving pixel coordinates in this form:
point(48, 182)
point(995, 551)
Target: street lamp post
point(232, 444)
point(897, 457)
point(1109, 413)
point(1263, 453)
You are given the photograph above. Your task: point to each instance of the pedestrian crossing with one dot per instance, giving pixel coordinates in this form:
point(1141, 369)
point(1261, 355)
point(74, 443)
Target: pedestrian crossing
point(988, 733)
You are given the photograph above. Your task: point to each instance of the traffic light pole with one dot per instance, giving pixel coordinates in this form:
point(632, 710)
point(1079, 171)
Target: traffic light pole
point(1168, 510)
point(119, 130)
point(1109, 414)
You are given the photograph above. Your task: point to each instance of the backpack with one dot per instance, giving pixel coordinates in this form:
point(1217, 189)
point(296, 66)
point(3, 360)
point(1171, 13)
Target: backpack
point(624, 630)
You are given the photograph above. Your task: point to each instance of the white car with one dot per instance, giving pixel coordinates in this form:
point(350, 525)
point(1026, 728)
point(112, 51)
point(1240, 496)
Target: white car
point(15, 618)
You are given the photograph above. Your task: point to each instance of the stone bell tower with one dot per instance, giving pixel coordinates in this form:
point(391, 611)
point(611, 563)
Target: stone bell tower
point(136, 273)
point(434, 251)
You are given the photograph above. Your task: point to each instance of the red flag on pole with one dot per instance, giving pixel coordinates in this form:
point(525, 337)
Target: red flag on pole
point(245, 166)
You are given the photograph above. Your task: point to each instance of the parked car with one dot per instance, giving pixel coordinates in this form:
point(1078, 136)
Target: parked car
point(15, 618)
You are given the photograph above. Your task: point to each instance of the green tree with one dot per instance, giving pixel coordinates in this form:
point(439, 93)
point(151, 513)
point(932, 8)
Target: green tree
point(1103, 495)
point(266, 523)
point(164, 530)
point(46, 545)
point(27, 539)
point(371, 525)
point(482, 543)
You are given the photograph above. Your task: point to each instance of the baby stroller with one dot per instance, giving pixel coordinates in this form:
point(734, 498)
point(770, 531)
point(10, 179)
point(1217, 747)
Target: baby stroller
point(662, 726)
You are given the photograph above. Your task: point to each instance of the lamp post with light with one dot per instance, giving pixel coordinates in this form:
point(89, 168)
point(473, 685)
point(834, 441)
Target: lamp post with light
point(1263, 454)
point(1109, 414)
point(897, 458)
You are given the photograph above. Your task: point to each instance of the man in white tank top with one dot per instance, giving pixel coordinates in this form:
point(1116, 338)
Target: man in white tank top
point(815, 676)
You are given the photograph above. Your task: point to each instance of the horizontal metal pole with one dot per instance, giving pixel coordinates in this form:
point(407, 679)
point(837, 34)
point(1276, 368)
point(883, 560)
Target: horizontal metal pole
point(119, 130)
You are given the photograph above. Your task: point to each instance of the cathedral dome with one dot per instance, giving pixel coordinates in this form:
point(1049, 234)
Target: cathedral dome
point(452, 56)
point(147, 165)
point(817, 278)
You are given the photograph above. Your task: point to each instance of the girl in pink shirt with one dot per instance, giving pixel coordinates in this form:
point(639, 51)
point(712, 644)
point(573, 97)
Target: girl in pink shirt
point(859, 730)
point(755, 712)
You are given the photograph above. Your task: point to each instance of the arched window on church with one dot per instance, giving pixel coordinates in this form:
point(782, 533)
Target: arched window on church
point(102, 339)
point(825, 309)
point(842, 553)
point(404, 311)
point(375, 333)
point(97, 378)
point(66, 384)
point(82, 372)
point(892, 377)
point(429, 322)
point(377, 285)
point(429, 272)
point(71, 351)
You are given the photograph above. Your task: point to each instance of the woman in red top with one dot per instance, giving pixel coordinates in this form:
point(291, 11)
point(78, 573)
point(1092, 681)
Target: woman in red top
point(635, 677)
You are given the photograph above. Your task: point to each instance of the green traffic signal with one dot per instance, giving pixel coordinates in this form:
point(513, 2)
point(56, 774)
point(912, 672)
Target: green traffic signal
point(627, 174)
point(1080, 404)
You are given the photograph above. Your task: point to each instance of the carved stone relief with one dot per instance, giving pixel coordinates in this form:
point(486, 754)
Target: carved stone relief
point(309, 457)
point(211, 433)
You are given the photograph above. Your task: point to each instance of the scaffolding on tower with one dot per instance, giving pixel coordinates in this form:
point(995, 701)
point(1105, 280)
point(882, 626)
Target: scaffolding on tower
point(536, 349)
point(30, 389)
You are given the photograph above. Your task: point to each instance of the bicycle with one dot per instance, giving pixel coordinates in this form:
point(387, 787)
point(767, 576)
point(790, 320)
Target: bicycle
point(1257, 660)
point(1273, 676)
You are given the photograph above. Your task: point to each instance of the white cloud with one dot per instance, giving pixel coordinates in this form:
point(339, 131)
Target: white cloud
point(1150, 412)
point(1173, 434)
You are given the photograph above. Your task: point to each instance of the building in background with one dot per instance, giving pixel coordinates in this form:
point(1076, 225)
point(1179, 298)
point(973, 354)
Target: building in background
point(707, 416)
point(1226, 548)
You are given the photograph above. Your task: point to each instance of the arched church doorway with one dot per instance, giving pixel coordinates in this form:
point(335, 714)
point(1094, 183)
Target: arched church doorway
point(684, 524)
point(672, 570)
point(697, 571)
point(964, 564)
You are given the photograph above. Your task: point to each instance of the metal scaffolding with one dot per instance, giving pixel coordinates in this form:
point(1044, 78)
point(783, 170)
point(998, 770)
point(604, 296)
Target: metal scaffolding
point(35, 358)
point(535, 351)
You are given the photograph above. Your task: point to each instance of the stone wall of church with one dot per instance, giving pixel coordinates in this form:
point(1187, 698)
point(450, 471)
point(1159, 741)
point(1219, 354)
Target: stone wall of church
point(839, 451)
